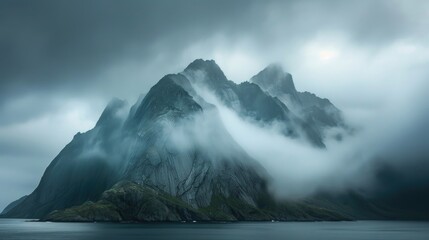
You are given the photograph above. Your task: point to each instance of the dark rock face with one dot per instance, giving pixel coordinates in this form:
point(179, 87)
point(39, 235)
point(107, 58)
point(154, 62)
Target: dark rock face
point(194, 172)
point(166, 97)
point(170, 158)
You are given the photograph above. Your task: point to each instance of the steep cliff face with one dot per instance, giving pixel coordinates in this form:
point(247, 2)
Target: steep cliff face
point(185, 150)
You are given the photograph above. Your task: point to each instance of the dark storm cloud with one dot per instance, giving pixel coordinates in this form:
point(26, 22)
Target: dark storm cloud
point(47, 45)
point(61, 60)
point(60, 48)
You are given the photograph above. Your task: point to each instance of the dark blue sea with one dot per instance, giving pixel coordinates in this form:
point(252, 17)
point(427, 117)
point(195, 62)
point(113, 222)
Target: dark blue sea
point(17, 229)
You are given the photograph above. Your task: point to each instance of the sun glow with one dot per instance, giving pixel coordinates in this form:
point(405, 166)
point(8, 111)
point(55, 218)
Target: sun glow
point(327, 54)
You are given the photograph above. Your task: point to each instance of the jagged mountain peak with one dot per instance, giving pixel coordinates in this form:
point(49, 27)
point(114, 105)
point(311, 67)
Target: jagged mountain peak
point(214, 75)
point(166, 97)
point(275, 79)
point(202, 64)
point(275, 67)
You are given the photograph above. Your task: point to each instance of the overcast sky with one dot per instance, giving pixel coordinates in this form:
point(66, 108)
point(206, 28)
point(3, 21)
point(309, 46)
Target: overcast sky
point(61, 61)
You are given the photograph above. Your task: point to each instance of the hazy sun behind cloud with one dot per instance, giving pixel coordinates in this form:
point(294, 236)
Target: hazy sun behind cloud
point(327, 54)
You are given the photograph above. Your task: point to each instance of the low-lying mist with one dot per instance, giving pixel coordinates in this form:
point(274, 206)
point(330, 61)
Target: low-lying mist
point(299, 169)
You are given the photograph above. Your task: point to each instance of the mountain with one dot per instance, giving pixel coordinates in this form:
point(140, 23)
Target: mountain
point(317, 112)
point(169, 157)
point(169, 152)
point(250, 101)
point(85, 168)
point(12, 205)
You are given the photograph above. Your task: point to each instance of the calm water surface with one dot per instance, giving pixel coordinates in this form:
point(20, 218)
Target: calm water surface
point(369, 230)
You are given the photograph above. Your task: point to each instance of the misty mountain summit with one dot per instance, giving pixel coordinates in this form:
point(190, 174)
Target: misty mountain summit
point(275, 81)
point(255, 101)
point(169, 157)
point(319, 113)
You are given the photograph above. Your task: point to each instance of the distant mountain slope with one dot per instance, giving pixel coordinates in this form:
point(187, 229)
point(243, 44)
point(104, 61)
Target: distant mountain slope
point(12, 205)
